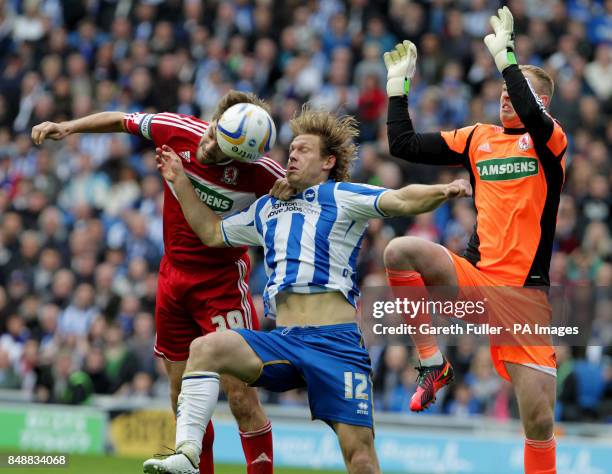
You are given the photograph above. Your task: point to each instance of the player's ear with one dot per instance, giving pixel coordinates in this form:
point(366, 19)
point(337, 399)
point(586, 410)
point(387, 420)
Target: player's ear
point(330, 162)
point(545, 100)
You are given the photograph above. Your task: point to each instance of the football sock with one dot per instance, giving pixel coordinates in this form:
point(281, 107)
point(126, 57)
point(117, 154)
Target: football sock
point(257, 446)
point(540, 456)
point(196, 404)
point(435, 359)
point(207, 462)
point(426, 344)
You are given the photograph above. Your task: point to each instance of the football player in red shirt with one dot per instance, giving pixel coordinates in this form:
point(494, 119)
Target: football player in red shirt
point(200, 289)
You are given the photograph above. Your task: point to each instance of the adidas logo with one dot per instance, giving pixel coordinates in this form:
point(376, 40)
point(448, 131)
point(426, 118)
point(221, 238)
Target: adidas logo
point(185, 155)
point(263, 457)
point(485, 147)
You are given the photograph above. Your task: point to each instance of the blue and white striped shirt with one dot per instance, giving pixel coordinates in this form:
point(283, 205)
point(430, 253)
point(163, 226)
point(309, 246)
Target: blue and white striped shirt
point(310, 242)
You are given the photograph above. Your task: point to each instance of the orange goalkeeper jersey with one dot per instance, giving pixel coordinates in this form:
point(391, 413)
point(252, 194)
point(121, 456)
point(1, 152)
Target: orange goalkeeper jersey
point(516, 175)
point(516, 198)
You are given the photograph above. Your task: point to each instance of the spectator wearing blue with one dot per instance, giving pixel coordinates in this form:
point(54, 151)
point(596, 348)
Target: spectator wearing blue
point(77, 317)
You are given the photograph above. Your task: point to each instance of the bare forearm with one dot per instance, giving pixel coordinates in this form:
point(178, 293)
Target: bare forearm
point(204, 222)
point(103, 122)
point(414, 199)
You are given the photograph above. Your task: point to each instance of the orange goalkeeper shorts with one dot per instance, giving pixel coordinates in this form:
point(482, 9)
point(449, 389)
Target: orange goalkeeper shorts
point(512, 306)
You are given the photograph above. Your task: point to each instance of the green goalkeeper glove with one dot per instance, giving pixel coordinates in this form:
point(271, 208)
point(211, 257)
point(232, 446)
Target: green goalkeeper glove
point(400, 63)
point(501, 42)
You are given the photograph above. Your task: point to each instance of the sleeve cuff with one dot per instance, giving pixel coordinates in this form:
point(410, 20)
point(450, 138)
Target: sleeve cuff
point(376, 203)
point(224, 235)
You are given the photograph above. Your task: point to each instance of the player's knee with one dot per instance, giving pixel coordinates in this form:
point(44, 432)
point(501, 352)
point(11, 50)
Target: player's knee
point(205, 350)
point(540, 423)
point(358, 450)
point(362, 461)
point(399, 253)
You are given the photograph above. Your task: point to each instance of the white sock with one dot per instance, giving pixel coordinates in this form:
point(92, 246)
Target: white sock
point(435, 359)
point(196, 404)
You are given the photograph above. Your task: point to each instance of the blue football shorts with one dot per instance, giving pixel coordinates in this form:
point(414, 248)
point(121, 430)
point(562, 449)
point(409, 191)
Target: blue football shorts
point(330, 361)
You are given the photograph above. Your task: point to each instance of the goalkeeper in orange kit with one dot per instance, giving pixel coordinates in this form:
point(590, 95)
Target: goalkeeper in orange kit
point(517, 171)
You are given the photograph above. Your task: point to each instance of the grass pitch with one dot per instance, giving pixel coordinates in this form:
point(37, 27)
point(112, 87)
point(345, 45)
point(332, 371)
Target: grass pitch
point(113, 465)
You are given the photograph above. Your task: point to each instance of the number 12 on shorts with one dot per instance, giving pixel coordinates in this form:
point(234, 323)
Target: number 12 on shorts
point(358, 382)
point(233, 320)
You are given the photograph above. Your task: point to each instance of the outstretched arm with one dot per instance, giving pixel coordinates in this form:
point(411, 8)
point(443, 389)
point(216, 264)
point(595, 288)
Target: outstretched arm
point(420, 198)
point(103, 122)
point(404, 141)
point(204, 222)
point(407, 144)
point(528, 105)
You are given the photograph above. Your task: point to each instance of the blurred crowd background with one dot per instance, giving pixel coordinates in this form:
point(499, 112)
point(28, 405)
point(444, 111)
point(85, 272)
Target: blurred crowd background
point(80, 219)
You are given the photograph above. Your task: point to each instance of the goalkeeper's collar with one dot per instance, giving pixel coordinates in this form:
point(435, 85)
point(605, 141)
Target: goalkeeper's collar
point(515, 131)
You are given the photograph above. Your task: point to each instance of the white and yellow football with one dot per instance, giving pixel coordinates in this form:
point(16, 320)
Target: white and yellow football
point(245, 132)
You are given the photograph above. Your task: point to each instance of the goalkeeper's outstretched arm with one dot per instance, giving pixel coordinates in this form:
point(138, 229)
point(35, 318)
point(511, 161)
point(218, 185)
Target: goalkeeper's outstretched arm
point(404, 142)
point(204, 222)
point(528, 105)
point(407, 144)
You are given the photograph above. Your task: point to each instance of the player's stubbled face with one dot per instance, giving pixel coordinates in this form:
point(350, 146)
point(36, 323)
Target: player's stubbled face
point(208, 149)
point(305, 165)
point(507, 115)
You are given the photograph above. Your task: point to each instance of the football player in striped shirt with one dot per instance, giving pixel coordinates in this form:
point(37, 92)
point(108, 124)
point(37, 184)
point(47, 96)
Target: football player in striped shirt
point(200, 289)
point(311, 243)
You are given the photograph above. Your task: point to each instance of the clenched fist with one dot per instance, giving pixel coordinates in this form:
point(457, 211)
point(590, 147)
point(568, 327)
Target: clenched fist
point(458, 188)
point(50, 130)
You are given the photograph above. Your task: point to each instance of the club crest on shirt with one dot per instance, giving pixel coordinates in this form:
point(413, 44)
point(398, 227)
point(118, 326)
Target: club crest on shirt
point(185, 155)
point(524, 142)
point(230, 175)
point(310, 194)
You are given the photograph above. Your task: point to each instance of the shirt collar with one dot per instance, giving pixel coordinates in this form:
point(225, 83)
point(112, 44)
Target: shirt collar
point(515, 131)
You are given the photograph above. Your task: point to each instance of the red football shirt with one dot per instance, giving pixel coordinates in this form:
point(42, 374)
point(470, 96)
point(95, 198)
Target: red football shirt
point(225, 187)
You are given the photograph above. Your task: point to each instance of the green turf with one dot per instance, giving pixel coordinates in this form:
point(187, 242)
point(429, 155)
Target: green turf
point(113, 465)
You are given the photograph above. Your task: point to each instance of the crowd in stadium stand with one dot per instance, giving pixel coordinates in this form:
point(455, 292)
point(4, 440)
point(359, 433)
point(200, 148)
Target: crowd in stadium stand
point(80, 221)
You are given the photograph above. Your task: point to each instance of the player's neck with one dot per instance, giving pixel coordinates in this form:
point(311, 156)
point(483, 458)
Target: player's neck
point(214, 160)
point(299, 187)
point(514, 122)
point(221, 161)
